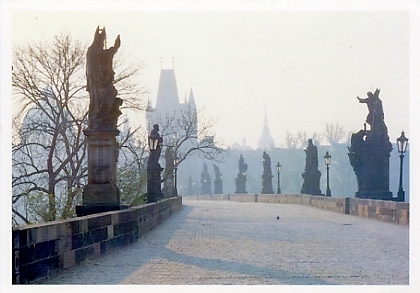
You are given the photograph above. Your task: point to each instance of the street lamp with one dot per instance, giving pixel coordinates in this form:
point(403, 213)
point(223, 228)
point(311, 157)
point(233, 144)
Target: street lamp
point(402, 143)
point(176, 162)
point(154, 192)
point(327, 159)
point(278, 168)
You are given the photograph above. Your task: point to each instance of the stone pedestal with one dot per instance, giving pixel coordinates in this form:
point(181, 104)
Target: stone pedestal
point(267, 184)
point(101, 193)
point(240, 182)
point(370, 161)
point(311, 182)
point(154, 191)
point(218, 186)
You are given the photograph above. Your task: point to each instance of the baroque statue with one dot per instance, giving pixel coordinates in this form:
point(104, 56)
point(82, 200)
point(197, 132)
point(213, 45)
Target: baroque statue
point(267, 186)
point(205, 180)
point(218, 187)
point(369, 152)
point(240, 180)
point(312, 175)
point(104, 105)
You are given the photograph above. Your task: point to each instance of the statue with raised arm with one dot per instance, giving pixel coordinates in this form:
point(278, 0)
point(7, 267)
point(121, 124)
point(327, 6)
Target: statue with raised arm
point(104, 105)
point(101, 193)
point(375, 117)
point(369, 152)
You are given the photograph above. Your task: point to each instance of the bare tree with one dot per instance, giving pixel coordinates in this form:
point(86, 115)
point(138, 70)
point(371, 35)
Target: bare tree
point(335, 133)
point(291, 141)
point(49, 149)
point(132, 175)
point(302, 139)
point(186, 136)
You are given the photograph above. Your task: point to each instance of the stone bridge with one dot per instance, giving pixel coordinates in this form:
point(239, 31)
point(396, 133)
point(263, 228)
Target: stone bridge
point(224, 240)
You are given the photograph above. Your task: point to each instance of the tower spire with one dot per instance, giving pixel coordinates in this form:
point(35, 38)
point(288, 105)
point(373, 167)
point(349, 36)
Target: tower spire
point(266, 141)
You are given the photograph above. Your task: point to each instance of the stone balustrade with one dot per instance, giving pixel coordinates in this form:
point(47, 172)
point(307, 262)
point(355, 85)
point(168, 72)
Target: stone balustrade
point(42, 249)
point(383, 210)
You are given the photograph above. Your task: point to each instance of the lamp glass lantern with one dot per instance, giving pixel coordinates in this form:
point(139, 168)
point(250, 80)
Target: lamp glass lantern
point(402, 143)
point(176, 161)
point(327, 159)
point(153, 143)
point(278, 167)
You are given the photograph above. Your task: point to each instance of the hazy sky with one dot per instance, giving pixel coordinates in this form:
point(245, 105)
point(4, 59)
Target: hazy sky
point(305, 61)
point(305, 67)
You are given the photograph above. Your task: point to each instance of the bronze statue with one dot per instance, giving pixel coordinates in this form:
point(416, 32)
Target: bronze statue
point(205, 180)
point(104, 106)
point(218, 187)
point(242, 166)
point(101, 193)
point(369, 152)
point(240, 180)
point(312, 175)
point(155, 155)
point(267, 187)
point(375, 117)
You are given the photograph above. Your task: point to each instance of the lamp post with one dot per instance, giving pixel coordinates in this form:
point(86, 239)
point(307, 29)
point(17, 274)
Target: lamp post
point(278, 168)
point(154, 192)
point(402, 143)
point(176, 162)
point(327, 159)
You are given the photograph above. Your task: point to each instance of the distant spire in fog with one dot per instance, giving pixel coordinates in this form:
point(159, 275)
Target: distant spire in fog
point(266, 141)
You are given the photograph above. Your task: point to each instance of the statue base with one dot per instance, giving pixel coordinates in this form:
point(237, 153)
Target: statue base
point(101, 194)
point(154, 197)
point(99, 198)
point(154, 191)
point(380, 195)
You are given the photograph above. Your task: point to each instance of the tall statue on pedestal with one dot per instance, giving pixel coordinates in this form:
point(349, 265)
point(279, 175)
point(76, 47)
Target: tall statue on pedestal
point(267, 176)
point(240, 180)
point(369, 152)
point(218, 182)
point(101, 194)
point(311, 176)
point(205, 180)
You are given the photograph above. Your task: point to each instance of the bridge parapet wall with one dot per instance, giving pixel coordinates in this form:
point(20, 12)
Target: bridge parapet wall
point(42, 249)
point(386, 211)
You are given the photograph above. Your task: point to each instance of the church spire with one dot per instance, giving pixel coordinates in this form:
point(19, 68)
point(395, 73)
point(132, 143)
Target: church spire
point(266, 141)
point(191, 99)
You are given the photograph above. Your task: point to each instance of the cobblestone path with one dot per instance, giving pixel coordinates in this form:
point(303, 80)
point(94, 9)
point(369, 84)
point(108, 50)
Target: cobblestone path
point(222, 242)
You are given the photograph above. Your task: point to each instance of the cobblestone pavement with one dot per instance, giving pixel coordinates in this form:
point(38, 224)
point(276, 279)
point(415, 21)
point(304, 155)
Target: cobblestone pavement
point(222, 242)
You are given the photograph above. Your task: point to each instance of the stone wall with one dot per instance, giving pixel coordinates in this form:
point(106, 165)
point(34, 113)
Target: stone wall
point(387, 211)
point(42, 249)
